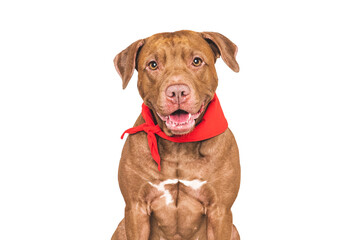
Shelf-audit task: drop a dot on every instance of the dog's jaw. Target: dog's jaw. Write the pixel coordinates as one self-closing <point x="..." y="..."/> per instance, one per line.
<point x="197" y="116"/>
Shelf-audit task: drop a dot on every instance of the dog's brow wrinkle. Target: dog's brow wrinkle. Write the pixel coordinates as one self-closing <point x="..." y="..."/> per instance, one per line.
<point x="164" y="58"/>
<point x="183" y="55"/>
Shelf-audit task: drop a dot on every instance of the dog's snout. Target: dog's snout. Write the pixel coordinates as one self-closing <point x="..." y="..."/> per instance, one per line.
<point x="177" y="93"/>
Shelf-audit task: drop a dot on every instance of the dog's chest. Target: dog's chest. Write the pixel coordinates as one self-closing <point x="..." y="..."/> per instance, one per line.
<point x="177" y="204"/>
<point x="182" y="157"/>
<point x="178" y="196"/>
<point x="169" y="191"/>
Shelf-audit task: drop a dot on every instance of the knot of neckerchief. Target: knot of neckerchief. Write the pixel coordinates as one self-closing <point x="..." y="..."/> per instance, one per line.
<point x="212" y="124"/>
<point x="150" y="129"/>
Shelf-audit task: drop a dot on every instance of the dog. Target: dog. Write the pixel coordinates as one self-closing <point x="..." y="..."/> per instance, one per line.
<point x="188" y="191"/>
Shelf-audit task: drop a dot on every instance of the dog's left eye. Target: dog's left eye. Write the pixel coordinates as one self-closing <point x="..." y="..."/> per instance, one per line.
<point x="197" y="62"/>
<point x="153" y="65"/>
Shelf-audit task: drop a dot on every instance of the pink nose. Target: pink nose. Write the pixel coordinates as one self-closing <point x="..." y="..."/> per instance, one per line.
<point x="177" y="93"/>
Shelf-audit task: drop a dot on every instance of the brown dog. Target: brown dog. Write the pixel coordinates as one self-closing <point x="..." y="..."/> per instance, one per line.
<point x="192" y="195"/>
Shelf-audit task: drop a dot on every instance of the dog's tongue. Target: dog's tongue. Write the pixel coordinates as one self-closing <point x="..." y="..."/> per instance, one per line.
<point x="179" y="116"/>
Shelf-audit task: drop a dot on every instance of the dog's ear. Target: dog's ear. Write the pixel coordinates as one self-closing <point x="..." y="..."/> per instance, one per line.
<point x="221" y="45"/>
<point x="125" y="62"/>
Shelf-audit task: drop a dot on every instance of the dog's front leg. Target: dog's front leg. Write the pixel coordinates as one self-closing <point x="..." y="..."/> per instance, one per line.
<point x="219" y="223"/>
<point x="137" y="221"/>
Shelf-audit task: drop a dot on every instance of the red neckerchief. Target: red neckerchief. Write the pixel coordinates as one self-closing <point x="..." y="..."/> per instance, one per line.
<point x="212" y="124"/>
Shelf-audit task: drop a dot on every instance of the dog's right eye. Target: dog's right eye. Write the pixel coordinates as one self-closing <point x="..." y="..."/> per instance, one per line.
<point x="153" y="65"/>
<point x="197" y="62"/>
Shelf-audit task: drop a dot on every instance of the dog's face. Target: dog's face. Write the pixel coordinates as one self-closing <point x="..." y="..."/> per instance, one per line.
<point x="176" y="74"/>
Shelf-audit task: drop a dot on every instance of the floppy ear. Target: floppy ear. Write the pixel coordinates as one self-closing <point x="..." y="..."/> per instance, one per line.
<point x="125" y="62"/>
<point x="221" y="45"/>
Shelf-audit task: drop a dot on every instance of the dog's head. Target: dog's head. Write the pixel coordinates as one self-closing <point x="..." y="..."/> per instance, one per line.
<point x="176" y="74"/>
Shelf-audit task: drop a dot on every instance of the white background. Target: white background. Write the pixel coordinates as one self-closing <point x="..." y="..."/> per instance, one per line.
<point x="294" y="110"/>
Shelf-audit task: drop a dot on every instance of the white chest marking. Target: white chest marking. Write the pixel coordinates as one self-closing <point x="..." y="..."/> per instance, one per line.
<point x="194" y="184"/>
<point x="161" y="187"/>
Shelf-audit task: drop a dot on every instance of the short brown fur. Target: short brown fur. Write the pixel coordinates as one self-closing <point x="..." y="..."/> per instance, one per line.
<point x="203" y="213"/>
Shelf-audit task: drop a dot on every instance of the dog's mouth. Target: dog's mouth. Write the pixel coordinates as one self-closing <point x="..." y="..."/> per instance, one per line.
<point x="181" y="122"/>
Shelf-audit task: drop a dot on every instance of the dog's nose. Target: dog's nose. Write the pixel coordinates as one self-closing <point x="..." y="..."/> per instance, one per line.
<point x="177" y="93"/>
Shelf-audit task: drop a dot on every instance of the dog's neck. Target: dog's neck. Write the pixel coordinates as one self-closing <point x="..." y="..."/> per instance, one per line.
<point x="211" y="124"/>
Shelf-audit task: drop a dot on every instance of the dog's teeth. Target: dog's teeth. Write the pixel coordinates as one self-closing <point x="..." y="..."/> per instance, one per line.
<point x="177" y="124"/>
